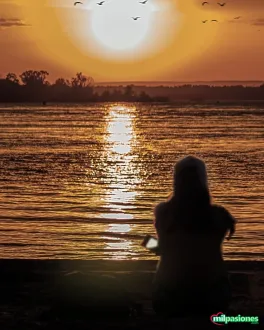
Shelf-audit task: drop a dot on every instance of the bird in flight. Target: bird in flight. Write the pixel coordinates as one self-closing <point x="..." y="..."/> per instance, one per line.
<point x="204" y="3"/>
<point x="143" y="2"/>
<point x="78" y="2"/>
<point x="135" y="18"/>
<point x="100" y="3"/>
<point x="214" y="20"/>
<point x="221" y="4"/>
<point x="238" y="17"/>
<point x="205" y="21"/>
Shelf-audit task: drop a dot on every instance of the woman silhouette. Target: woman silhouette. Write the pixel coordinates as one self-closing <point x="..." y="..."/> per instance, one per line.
<point x="191" y="277"/>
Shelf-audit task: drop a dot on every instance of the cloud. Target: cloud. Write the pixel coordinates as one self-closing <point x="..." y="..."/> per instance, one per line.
<point x="238" y="21"/>
<point x="12" y="22"/>
<point x="254" y="22"/>
<point x="258" y="22"/>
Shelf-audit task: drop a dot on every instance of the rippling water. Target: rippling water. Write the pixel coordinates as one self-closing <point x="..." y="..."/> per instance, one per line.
<point x="81" y="181"/>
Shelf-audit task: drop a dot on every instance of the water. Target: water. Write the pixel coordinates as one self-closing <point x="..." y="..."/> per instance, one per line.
<point x="81" y="181"/>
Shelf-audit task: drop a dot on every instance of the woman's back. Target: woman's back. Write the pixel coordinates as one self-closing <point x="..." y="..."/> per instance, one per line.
<point x="189" y="256"/>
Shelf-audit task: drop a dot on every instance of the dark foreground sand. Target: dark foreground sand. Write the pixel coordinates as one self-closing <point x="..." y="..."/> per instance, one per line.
<point x="77" y="294"/>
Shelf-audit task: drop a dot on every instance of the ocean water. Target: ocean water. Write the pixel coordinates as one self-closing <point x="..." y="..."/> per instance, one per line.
<point x="81" y="181"/>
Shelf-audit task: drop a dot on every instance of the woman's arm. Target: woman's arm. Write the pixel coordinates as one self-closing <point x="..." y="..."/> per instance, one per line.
<point x="159" y="223"/>
<point x="231" y="224"/>
<point x="158" y="215"/>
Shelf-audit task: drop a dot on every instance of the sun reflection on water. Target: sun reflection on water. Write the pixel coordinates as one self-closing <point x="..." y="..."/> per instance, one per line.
<point x="120" y="130"/>
<point x="123" y="175"/>
<point x="119" y="228"/>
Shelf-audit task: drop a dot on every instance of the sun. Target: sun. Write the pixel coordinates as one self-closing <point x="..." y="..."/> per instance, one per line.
<point x="108" y="33"/>
<point x="107" y="44"/>
<point x="115" y="29"/>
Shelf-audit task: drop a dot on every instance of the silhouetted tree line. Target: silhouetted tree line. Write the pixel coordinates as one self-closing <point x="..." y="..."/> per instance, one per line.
<point x="33" y="86"/>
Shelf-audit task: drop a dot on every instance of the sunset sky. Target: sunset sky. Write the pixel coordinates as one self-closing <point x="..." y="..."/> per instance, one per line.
<point x="168" y="42"/>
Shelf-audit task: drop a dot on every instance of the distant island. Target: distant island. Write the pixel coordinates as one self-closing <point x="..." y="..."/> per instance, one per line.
<point x="33" y="86"/>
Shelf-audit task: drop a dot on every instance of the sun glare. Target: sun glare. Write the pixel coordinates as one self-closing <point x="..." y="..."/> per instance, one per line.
<point x="127" y="29"/>
<point x="114" y="27"/>
<point x="108" y="32"/>
<point x="104" y="41"/>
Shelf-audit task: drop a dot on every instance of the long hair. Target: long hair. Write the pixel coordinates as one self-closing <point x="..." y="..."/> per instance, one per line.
<point x="190" y="202"/>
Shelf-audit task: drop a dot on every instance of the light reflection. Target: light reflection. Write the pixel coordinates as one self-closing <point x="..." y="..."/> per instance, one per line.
<point x="121" y="149"/>
<point x="122" y="175"/>
<point x="121" y="248"/>
<point x="119" y="228"/>
<point x="120" y="130"/>
<point x="119" y="216"/>
<point x="118" y="246"/>
<point x="120" y="196"/>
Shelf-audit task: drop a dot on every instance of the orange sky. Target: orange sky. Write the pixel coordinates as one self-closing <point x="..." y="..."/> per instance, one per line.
<point x="170" y="43"/>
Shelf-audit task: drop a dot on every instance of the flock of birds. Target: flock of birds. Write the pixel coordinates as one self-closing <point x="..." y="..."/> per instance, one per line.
<point x="221" y="4"/>
<point x="102" y="2"/>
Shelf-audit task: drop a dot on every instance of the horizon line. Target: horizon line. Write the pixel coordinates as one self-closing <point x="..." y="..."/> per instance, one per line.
<point x="177" y="82"/>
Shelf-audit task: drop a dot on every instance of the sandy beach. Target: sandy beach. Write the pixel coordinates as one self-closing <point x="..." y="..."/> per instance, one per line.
<point x="67" y="294"/>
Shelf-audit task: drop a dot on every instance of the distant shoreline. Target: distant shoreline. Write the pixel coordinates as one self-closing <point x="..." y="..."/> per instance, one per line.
<point x="253" y="83"/>
<point x="177" y="102"/>
<point x="33" y="86"/>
